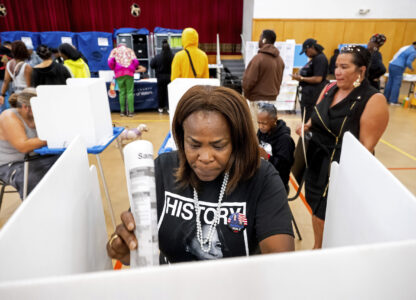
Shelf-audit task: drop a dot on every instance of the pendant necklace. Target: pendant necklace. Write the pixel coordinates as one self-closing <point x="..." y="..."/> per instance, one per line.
<point x="207" y="240"/>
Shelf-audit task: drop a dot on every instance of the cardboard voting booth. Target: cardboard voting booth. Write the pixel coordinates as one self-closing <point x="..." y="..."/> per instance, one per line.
<point x="180" y="86"/>
<point x="366" y="203"/>
<point x="384" y="271"/>
<point x="60" y="228"/>
<point x="62" y="112"/>
<point x="375" y="260"/>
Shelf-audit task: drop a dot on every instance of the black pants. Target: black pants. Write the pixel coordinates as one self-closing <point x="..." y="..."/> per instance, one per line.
<point x="162" y="92"/>
<point x="13" y="173"/>
<point x="308" y="107"/>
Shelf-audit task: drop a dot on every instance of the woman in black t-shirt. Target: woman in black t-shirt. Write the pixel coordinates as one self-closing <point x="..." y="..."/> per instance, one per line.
<point x="376" y="68"/>
<point x="312" y="77"/>
<point x="215" y="179"/>
<point x="48" y="72"/>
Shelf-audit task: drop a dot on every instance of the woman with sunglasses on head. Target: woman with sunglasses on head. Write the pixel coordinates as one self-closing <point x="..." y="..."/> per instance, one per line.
<point x="215" y="179"/>
<point x="351" y="104"/>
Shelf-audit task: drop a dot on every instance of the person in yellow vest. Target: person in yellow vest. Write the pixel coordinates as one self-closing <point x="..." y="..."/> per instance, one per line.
<point x="74" y="61"/>
<point x="190" y="62"/>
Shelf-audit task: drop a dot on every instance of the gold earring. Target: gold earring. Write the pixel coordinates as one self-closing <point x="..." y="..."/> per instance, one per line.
<point x="357" y="82"/>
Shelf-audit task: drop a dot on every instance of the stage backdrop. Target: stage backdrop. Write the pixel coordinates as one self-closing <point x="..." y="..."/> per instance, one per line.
<point x="208" y="17"/>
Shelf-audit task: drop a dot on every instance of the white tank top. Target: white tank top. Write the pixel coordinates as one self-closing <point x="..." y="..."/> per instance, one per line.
<point x="19" y="81"/>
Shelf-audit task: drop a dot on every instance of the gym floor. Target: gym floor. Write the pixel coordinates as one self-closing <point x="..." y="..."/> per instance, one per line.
<point x="396" y="150"/>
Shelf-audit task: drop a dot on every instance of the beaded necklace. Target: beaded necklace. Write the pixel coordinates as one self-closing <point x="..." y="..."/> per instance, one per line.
<point x="207" y="240"/>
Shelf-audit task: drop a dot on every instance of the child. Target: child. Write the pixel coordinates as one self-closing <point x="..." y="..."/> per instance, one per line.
<point x="276" y="144"/>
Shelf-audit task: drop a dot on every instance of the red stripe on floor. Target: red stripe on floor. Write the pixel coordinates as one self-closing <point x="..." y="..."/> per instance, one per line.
<point x="401" y="169"/>
<point x="300" y="195"/>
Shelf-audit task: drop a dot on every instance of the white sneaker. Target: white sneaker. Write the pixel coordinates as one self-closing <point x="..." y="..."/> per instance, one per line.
<point x="160" y="110"/>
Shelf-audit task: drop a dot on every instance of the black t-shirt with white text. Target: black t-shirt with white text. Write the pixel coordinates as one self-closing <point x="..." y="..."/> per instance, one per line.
<point x="262" y="199"/>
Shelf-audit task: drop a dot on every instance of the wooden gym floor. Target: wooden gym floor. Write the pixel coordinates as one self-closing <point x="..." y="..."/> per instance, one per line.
<point x="396" y="150"/>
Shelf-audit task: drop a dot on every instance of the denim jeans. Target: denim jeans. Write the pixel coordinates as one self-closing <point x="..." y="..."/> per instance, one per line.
<point x="9" y="91"/>
<point x="394" y="82"/>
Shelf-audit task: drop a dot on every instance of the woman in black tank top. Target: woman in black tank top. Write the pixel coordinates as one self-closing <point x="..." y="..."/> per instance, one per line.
<point x="351" y="104"/>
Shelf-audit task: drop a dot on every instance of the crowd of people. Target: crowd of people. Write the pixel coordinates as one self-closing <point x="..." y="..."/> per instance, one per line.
<point x="23" y="68"/>
<point x="234" y="152"/>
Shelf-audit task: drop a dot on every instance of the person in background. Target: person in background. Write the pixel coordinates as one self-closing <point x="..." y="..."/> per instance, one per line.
<point x="312" y="77"/>
<point x="34" y="59"/>
<point x="191" y="62"/>
<point x="217" y="166"/>
<point x="376" y="69"/>
<point x="264" y="73"/>
<point x="331" y="68"/>
<point x="56" y="56"/>
<point x="48" y="71"/>
<point x="123" y="62"/>
<point x="17" y="71"/>
<point x="351" y="104"/>
<point x="5" y="56"/>
<point x="276" y="144"/>
<point x="18" y="137"/>
<point x="162" y="63"/>
<point x="73" y="60"/>
<point x="402" y="59"/>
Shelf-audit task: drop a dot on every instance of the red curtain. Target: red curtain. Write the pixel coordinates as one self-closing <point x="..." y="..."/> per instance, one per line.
<point x="36" y="15"/>
<point x="208" y="17"/>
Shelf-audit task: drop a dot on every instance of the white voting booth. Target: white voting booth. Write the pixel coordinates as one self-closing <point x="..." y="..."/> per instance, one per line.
<point x="60" y="228"/>
<point x="178" y="87"/>
<point x="80" y="107"/>
<point x="366" y="203"/>
<point x="363" y="268"/>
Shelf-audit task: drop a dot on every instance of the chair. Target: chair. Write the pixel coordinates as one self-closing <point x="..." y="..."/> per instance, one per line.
<point x="3" y="191"/>
<point x="25" y="181"/>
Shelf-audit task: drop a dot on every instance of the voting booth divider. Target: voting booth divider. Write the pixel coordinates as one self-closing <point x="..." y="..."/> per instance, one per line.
<point x="178" y="87"/>
<point x="60" y="228"/>
<point x="54" y="245"/>
<point x="54" y="39"/>
<point x="366" y="203"/>
<point x="27" y="37"/>
<point x="80" y="107"/>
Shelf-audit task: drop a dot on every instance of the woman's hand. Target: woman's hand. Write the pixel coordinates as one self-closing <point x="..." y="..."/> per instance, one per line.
<point x="123" y="240"/>
<point x="306" y="128"/>
<point x="296" y="76"/>
<point x="263" y="153"/>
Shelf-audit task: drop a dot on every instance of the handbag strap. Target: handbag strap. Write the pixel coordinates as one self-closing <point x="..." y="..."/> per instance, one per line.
<point x="190" y="60"/>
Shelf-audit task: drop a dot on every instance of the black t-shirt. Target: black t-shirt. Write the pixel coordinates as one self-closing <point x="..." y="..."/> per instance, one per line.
<point x="54" y="74"/>
<point x="262" y="199"/>
<point x="317" y="66"/>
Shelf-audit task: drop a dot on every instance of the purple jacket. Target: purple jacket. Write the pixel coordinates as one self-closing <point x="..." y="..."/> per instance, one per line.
<point x="119" y="70"/>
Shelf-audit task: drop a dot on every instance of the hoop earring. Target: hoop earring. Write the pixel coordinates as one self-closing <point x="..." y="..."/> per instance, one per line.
<point x="357" y="82"/>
